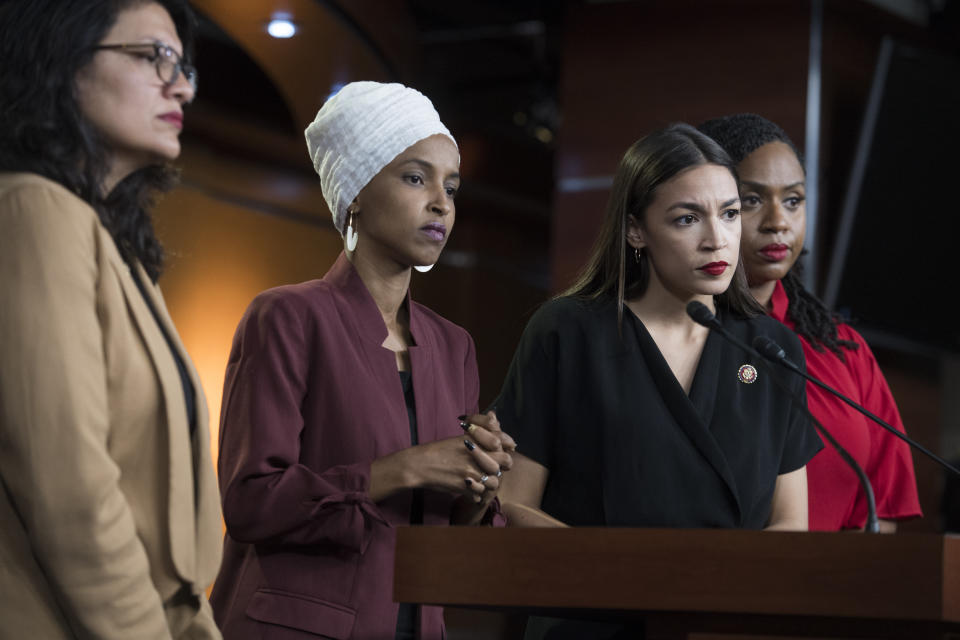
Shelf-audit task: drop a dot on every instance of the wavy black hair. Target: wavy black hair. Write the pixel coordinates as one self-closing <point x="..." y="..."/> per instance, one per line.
<point x="647" y="164"/>
<point x="742" y="134"/>
<point x="43" y="45"/>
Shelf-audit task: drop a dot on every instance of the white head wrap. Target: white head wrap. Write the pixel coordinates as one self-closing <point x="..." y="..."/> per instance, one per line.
<point x="359" y="131"/>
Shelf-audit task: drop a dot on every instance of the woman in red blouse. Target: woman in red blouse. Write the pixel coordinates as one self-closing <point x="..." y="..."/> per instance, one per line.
<point x="772" y="192"/>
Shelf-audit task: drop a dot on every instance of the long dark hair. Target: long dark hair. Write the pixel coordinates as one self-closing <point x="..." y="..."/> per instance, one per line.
<point x="740" y="135"/>
<point x="647" y="164"/>
<point x="43" y="44"/>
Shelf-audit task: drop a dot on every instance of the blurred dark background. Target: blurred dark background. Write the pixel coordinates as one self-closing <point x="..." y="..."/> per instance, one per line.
<point x="543" y="97"/>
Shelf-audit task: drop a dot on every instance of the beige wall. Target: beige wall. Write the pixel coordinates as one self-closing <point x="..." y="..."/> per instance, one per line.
<point x="220" y="255"/>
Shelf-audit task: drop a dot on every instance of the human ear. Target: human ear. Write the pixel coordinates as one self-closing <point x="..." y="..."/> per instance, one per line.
<point x="636" y="238"/>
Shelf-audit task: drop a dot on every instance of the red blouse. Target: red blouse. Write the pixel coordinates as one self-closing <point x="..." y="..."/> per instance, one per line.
<point x="836" y="499"/>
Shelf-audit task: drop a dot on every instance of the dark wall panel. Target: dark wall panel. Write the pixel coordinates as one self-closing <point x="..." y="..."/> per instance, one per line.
<point x="631" y="67"/>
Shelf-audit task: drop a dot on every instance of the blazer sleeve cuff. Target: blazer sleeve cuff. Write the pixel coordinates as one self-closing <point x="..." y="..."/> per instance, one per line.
<point x="494" y="515"/>
<point x="349" y="519"/>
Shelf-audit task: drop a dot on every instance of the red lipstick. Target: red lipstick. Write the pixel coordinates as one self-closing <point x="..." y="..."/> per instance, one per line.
<point x="775" y="251"/>
<point x="173" y="117"/>
<point x="714" y="268"/>
<point x="435" y="231"/>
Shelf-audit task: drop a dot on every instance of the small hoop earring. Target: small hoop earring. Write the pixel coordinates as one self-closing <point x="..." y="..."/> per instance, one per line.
<point x="351" y="235"/>
<point x="636" y="255"/>
<point x="423" y="268"/>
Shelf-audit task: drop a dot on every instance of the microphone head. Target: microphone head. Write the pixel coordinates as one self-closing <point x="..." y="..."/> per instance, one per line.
<point x="701" y="314"/>
<point x="768" y="348"/>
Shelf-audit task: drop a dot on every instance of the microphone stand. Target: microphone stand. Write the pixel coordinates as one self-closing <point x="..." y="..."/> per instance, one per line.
<point x="703" y="316"/>
<point x="772" y="351"/>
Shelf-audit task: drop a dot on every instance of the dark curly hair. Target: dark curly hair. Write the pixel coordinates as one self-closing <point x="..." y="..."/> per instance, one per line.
<point x="647" y="164"/>
<point x="43" y="44"/>
<point x="741" y="135"/>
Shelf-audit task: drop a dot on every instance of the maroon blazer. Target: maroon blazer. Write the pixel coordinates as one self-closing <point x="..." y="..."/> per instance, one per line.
<point x="311" y="398"/>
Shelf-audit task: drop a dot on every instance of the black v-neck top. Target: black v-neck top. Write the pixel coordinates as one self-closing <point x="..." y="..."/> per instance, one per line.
<point x="626" y="446"/>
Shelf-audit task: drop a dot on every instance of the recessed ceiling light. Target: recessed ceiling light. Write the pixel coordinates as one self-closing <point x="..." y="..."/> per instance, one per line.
<point x="281" y="26"/>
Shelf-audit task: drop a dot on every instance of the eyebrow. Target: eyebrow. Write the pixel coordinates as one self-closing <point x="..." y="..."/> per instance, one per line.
<point x="693" y="206"/>
<point x="759" y="186"/>
<point x="429" y="167"/>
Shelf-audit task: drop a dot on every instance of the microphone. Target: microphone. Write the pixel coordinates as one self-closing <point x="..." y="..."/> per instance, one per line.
<point x="702" y="315"/>
<point x="772" y="351"/>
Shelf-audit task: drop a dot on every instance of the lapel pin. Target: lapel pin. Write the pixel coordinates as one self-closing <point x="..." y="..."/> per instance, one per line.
<point x="747" y="374"/>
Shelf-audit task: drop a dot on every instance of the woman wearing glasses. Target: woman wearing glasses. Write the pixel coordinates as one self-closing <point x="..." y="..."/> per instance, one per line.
<point x="109" y="524"/>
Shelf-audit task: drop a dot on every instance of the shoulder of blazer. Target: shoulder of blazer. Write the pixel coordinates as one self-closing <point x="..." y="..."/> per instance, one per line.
<point x="32" y="187"/>
<point x="442" y="331"/>
<point x="53" y="217"/>
<point x="292" y="298"/>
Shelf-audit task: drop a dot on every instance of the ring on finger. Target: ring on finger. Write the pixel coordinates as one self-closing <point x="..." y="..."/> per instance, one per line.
<point x="499" y="473"/>
<point x="484" y="478"/>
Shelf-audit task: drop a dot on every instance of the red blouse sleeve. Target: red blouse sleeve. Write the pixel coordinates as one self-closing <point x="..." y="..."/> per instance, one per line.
<point x="890" y="467"/>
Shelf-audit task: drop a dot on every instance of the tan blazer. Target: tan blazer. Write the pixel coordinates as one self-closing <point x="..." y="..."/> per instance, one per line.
<point x="109" y="513"/>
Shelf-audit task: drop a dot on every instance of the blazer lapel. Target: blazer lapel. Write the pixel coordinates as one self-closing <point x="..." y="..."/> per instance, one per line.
<point x="180" y="492"/>
<point x="424" y="386"/>
<point x="359" y="307"/>
<point x="207" y="519"/>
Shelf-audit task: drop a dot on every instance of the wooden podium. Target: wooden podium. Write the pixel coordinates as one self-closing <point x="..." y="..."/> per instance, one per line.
<point x="681" y="581"/>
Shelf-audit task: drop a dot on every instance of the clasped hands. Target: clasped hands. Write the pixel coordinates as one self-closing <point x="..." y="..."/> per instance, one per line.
<point x="469" y="465"/>
<point x="490" y="449"/>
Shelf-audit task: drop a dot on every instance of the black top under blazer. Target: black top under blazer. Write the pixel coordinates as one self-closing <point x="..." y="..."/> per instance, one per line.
<point x="626" y="446"/>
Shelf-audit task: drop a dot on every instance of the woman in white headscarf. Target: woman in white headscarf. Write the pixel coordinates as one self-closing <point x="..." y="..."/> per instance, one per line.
<point x="343" y="402"/>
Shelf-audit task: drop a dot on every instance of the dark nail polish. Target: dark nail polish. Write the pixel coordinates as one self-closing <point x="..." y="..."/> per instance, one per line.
<point x="464" y="425"/>
<point x="463" y="417"/>
<point x="470" y="445"/>
<point x="469" y="482"/>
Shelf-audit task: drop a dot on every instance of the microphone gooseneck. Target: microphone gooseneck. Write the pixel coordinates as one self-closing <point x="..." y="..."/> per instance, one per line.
<point x="702" y="315"/>
<point x="772" y="351"/>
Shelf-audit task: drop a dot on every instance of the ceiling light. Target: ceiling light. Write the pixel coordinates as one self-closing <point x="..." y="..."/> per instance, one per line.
<point x="281" y="26"/>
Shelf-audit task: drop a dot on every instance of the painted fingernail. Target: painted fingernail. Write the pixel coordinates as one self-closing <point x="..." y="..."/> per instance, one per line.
<point x="470" y="445"/>
<point x="469" y="482"/>
<point x="463" y="417"/>
<point x="464" y="425"/>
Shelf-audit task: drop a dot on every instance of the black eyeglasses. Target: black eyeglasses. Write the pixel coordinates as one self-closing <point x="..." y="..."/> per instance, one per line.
<point x="168" y="62"/>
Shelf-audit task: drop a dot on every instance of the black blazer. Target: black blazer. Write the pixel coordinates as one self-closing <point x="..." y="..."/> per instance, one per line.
<point x="626" y="446"/>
